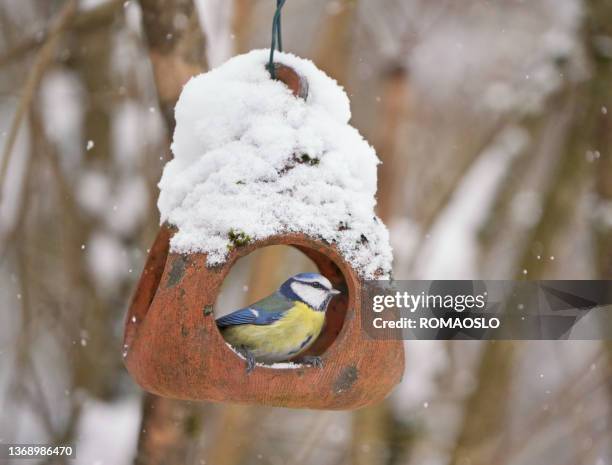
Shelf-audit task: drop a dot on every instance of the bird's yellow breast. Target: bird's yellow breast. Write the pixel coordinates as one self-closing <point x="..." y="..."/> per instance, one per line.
<point x="292" y="334"/>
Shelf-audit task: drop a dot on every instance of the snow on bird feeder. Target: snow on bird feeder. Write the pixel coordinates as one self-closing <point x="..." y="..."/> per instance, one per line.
<point x="261" y="162"/>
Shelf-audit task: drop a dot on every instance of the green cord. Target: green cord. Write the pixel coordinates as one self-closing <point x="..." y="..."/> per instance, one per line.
<point x="276" y="36"/>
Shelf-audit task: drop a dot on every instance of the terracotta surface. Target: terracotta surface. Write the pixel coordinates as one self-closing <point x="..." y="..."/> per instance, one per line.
<point x="174" y="349"/>
<point x="295" y="82"/>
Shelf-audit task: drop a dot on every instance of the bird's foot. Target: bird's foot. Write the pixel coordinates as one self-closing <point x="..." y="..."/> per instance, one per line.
<point x="250" y="359"/>
<point x="312" y="360"/>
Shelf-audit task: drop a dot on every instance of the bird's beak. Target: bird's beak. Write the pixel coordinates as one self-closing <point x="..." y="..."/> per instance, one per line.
<point x="334" y="291"/>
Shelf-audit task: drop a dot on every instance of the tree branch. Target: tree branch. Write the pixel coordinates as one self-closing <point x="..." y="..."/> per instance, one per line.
<point x="176" y="48"/>
<point x="42" y="61"/>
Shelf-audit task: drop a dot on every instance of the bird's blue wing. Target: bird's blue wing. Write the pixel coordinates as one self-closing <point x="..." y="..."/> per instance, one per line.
<point x="244" y="316"/>
<point x="263" y="312"/>
<point x="275" y="303"/>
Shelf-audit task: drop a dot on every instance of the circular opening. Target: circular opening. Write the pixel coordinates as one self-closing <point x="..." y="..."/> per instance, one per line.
<point x="261" y="273"/>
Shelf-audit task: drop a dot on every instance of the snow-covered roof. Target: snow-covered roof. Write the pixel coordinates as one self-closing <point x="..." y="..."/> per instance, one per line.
<point x="251" y="160"/>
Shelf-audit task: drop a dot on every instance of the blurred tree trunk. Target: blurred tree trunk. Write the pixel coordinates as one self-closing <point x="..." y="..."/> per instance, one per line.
<point x="334" y="44"/>
<point x="486" y="408"/>
<point x="599" y="138"/>
<point x="394" y="113"/>
<point x="91" y="61"/>
<point x="241" y="24"/>
<point x="599" y="26"/>
<point x="177" y="49"/>
<point x="370" y="433"/>
<point x="371" y="425"/>
<point x="176" y="45"/>
<point x="234" y="436"/>
<point x="169" y="431"/>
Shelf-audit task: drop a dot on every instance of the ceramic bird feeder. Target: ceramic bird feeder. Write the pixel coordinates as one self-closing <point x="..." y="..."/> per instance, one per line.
<point x="172" y="346"/>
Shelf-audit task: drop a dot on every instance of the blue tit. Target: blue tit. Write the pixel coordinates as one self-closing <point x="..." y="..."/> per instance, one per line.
<point x="283" y="325"/>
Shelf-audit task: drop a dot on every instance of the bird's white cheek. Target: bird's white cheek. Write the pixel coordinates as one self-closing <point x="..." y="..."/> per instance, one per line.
<point x="313" y="297"/>
<point x="298" y="288"/>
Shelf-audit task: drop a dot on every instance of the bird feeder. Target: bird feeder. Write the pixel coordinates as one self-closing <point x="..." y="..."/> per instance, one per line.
<point x="173" y="348"/>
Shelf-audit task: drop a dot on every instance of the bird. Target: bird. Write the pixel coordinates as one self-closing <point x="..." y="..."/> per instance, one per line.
<point x="282" y="325"/>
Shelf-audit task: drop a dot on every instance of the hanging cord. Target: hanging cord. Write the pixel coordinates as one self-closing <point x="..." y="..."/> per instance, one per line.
<point x="276" y="36"/>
